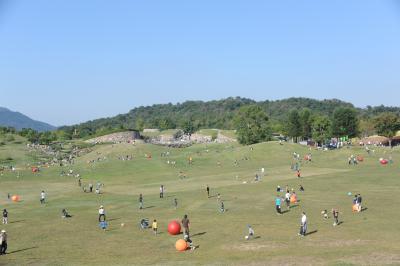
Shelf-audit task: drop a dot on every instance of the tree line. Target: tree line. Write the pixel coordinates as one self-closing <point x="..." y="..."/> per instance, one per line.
<point x="298" y="118"/>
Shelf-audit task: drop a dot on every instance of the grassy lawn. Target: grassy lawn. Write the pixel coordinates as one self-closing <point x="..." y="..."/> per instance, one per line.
<point x="39" y="236"/>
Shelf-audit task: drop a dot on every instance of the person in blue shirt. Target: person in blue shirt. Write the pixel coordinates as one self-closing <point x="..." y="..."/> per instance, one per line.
<point x="278" y="201"/>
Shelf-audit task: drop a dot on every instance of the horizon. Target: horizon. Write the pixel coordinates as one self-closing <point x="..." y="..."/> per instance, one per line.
<point x="110" y="59"/>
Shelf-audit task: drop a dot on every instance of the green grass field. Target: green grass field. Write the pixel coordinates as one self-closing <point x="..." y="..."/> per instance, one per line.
<point x="39" y="236"/>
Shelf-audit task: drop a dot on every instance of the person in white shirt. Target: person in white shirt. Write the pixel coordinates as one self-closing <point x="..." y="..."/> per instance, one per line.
<point x="3" y="242"/>
<point x="102" y="214"/>
<point x="303" y="226"/>
<point x="287" y="200"/>
<point x="42" y="197"/>
<point x="162" y="191"/>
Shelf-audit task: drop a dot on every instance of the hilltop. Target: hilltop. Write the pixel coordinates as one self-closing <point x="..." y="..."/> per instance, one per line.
<point x="19" y="121"/>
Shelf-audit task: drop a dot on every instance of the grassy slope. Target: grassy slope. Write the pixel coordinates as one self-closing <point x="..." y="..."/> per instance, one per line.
<point x="38" y="235"/>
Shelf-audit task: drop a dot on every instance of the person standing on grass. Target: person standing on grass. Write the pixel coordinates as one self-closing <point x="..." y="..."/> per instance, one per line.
<point x="287" y="200"/>
<point x="335" y="214"/>
<point x="176" y="203"/>
<point x="3" y="242"/>
<point x="278" y="204"/>
<point x="358" y="202"/>
<point x="102" y="214"/>
<point x="303" y="224"/>
<point x="140" y="201"/>
<point x="91" y="187"/>
<point x="208" y="191"/>
<point x="42" y="197"/>
<point x="222" y="208"/>
<point x="185" y="224"/>
<point x="5" y="216"/>
<point x="161" y="191"/>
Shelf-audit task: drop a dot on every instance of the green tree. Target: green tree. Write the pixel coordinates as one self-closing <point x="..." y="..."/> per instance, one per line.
<point x="306" y="122"/>
<point x="252" y="125"/>
<point x="139" y="124"/>
<point x="188" y="127"/>
<point x="293" y="127"/>
<point x="387" y="124"/>
<point x="321" y="129"/>
<point x="345" y="122"/>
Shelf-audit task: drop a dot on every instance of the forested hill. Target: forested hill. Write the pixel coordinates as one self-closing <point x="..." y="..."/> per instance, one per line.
<point x="214" y="114"/>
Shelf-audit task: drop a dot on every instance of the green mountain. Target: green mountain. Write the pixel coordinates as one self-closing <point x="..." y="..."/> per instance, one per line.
<point x="19" y="121"/>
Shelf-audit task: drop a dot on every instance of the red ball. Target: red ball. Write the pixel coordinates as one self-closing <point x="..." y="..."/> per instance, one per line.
<point x="174" y="228"/>
<point x="384" y="161"/>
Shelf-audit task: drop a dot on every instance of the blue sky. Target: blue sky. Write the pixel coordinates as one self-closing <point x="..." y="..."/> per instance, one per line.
<point x="70" y="61"/>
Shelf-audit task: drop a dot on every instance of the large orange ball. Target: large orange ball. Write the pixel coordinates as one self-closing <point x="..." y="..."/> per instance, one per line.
<point x="293" y="199"/>
<point x="181" y="245"/>
<point x="174" y="228"/>
<point x="15" y="198"/>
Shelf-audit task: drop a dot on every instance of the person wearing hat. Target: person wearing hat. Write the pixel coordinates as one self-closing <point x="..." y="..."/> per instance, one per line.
<point x="3" y="242"/>
<point x="102" y="214"/>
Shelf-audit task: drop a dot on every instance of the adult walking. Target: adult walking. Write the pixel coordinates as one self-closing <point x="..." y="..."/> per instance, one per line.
<point x="3" y="242"/>
<point x="42" y="197"/>
<point x="102" y="214"/>
<point x="303" y="224"/>
<point x="185" y="225"/>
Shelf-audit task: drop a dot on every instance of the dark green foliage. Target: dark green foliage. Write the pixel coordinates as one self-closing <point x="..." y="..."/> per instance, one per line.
<point x="321" y="129"/>
<point x="293" y="126"/>
<point x="221" y="114"/>
<point x="306" y="122"/>
<point x="252" y="125"/>
<point x="188" y="127"/>
<point x="387" y="124"/>
<point x="345" y="122"/>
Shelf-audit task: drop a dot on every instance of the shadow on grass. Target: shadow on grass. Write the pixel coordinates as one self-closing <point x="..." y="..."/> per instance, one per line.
<point x="148" y="207"/>
<point x="294" y="206"/>
<point x="21" y="250"/>
<point x="285" y="212"/>
<point x="312" y="232"/>
<point x="19" y="221"/>
<point x="257" y="237"/>
<point x="199" y="234"/>
<point x="364" y="209"/>
<point x="114" y="219"/>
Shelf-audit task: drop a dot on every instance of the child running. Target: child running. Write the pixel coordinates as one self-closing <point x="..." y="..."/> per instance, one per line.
<point x="251" y="232"/>
<point x="154" y="226"/>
